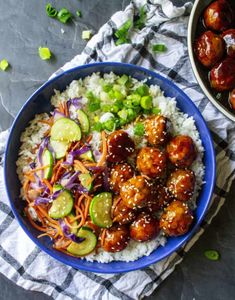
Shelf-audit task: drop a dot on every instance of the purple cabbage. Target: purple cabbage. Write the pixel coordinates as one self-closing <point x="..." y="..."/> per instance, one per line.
<point x="42" y="200"/>
<point x="58" y="115"/>
<point x="71" y="180"/>
<point x="71" y="155"/>
<point x="76" y="102"/>
<point x="42" y="147"/>
<point x="66" y="230"/>
<point x="32" y="165"/>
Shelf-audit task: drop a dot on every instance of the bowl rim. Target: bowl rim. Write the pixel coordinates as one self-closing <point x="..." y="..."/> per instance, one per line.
<point x="227" y="113"/>
<point x="147" y="262"/>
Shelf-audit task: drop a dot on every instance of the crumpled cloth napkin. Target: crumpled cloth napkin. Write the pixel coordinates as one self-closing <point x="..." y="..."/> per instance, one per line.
<point x="22" y="262"/>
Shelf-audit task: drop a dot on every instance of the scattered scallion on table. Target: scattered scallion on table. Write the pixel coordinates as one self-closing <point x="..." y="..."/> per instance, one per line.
<point x="44" y="53"/>
<point x="212" y="254"/>
<point x="86" y="34"/>
<point x="51" y="11"/>
<point x="122" y="33"/>
<point x="4" y="64"/>
<point x="78" y="13"/>
<point x="159" y="48"/>
<point x="64" y="15"/>
<point x="140" y="20"/>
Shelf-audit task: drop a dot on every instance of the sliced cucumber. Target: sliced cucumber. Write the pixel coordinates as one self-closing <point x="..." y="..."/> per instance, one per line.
<point x="75" y="223"/>
<point x="88" y="156"/>
<point x="86" y="181"/>
<point x="83" y="120"/>
<point x="85" y="247"/>
<point x="100" y="210"/>
<point x="47" y="159"/>
<point x="62" y="205"/>
<point x="57" y="187"/>
<point x="65" y="130"/>
<point x="60" y="148"/>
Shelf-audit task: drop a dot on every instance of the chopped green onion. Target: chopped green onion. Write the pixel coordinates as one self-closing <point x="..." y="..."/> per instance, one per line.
<point x="159" y="48"/>
<point x="128" y="103"/>
<point x="139" y="129"/>
<point x="78" y="13"/>
<point x="118" y="105"/>
<point x="51" y="11"/>
<point x="106" y="108"/>
<point x="122" y="33"/>
<point x="139" y="23"/>
<point x="107" y="87"/>
<point x="123" y="79"/>
<point x="4" y="64"/>
<point x="146" y="102"/>
<point x="94" y="102"/>
<point x="143" y="90"/>
<point x="86" y="34"/>
<point x="97" y="127"/>
<point x="110" y="124"/>
<point x="118" y="95"/>
<point x="123" y="114"/>
<point x="44" y="53"/>
<point x="212" y="254"/>
<point x="64" y="15"/>
<point x="131" y="114"/>
<point x="156" y="110"/>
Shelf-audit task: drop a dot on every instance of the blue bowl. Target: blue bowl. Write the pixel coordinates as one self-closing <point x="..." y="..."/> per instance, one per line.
<point x="40" y="102"/>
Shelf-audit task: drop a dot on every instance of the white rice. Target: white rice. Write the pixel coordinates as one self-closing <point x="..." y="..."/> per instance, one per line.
<point x="182" y="124"/>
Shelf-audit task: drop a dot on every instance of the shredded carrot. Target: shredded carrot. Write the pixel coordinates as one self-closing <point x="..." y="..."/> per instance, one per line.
<point x="44" y="234"/>
<point x="47" y="183"/>
<point x="48" y="122"/>
<point x="80" y="167"/>
<point x="40" y="228"/>
<point x="36" y="169"/>
<point x="87" y="207"/>
<point x="71" y="226"/>
<point x="75" y="146"/>
<point x="61" y="108"/>
<point x="102" y="238"/>
<point x="104" y="150"/>
<point x="82" y="215"/>
<point x="66" y="111"/>
<point x="89" y="138"/>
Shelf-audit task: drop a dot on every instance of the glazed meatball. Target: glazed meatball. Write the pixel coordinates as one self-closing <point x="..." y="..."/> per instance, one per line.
<point x="144" y="228"/>
<point x="121" y="213"/>
<point x="181" y="184"/>
<point x="176" y="219"/>
<point x="120" y="146"/>
<point x="115" y="239"/>
<point x="160" y="198"/>
<point x="157" y="130"/>
<point x="209" y="48"/>
<point x="136" y="192"/>
<point x="181" y="151"/>
<point x="152" y="162"/>
<point x="120" y="174"/>
<point x="229" y="38"/>
<point x="219" y="15"/>
<point x="232" y="99"/>
<point x="222" y="76"/>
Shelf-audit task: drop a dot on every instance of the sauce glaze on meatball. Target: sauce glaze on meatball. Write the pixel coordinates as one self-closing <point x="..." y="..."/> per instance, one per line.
<point x="181" y="184"/>
<point x="115" y="238"/>
<point x="121" y="213"/>
<point x="157" y="130"/>
<point x="182" y="151"/>
<point x="176" y="219"/>
<point x="209" y="48"/>
<point x="136" y="192"/>
<point x="144" y="228"/>
<point x="120" y="146"/>
<point x="119" y="174"/>
<point x="152" y="162"/>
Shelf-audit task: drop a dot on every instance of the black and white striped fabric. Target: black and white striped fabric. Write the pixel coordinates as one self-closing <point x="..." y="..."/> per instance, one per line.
<point x="22" y="262"/>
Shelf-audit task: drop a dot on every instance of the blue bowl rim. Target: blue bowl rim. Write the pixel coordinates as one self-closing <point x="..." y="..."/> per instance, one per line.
<point x="143" y="264"/>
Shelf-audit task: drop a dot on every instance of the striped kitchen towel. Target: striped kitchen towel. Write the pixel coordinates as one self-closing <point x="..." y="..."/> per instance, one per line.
<point x="22" y="262"/>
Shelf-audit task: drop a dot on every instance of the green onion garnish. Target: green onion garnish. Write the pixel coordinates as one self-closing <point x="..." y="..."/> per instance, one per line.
<point x="156" y="110"/>
<point x="159" y="48"/>
<point x="146" y="102"/>
<point x="44" y="53"/>
<point x="4" y="64"/>
<point x="78" y="13"/>
<point x="97" y="127"/>
<point x="86" y="34"/>
<point x="64" y="15"/>
<point x="122" y="33"/>
<point x="139" y="129"/>
<point x="141" y="19"/>
<point x="51" y="11"/>
<point x="212" y="254"/>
